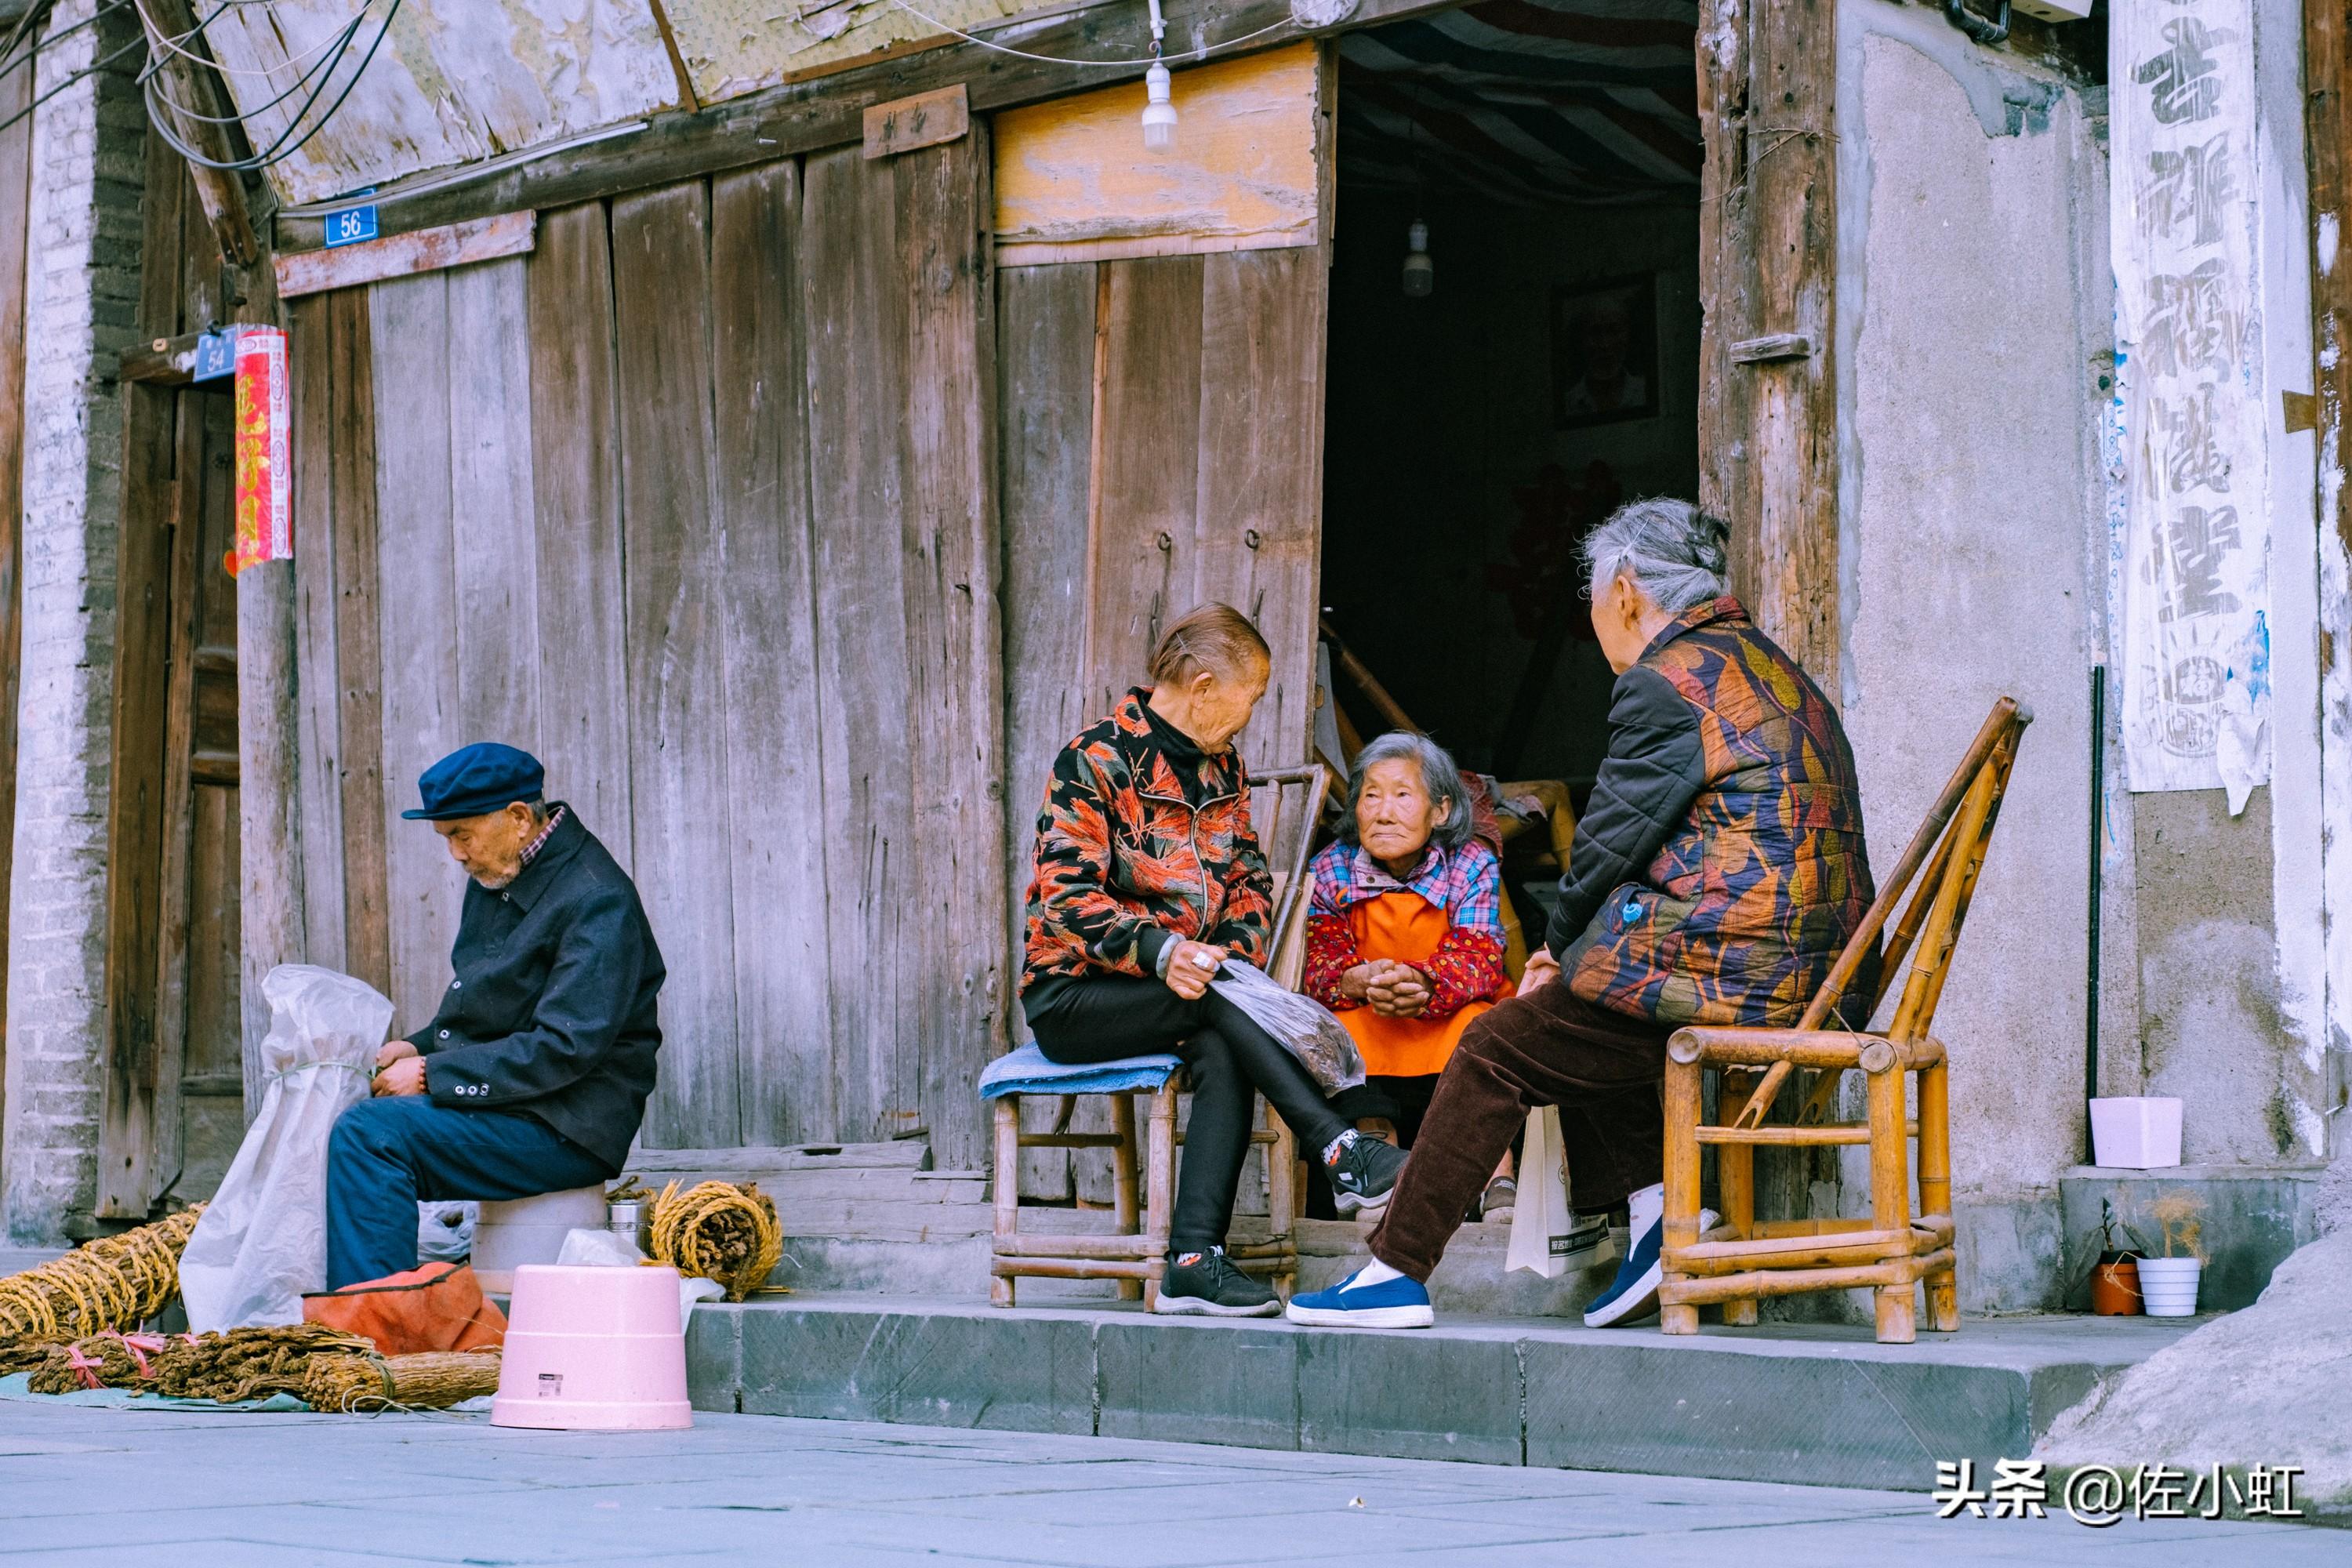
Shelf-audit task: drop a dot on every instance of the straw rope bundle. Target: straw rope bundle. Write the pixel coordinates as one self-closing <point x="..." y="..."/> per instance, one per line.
<point x="116" y="1283"/>
<point x="248" y="1363"/>
<point x="103" y="1361"/>
<point x="718" y="1231"/>
<point x="350" y="1385"/>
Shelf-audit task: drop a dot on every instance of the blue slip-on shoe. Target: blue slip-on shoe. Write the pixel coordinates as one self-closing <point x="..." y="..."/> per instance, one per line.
<point x="1634" y="1294"/>
<point x="1397" y="1303"/>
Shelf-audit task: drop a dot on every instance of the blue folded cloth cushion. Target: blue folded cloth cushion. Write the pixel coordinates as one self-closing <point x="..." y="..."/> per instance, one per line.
<point x="1028" y="1071"/>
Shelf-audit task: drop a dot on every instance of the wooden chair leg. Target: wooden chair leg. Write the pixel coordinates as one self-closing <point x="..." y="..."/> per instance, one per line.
<point x="1890" y="1197"/>
<point x="1122" y="1182"/>
<point x="1682" y="1109"/>
<point x="1158" y="1184"/>
<point x="1007" y="1182"/>
<point x="1735" y="1173"/>
<point x="1281" y="1160"/>
<point x="1935" y="1187"/>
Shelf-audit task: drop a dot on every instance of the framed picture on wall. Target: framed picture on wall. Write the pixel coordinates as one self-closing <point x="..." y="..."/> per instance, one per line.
<point x="1604" y="351"/>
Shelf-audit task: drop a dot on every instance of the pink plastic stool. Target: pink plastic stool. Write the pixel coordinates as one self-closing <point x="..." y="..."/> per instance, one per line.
<point x="593" y="1349"/>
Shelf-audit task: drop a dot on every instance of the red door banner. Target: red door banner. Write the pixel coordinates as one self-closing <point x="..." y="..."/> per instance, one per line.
<point x="265" y="506"/>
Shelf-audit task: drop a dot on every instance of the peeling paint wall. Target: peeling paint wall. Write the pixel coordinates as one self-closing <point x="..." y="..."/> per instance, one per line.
<point x="1975" y="331"/>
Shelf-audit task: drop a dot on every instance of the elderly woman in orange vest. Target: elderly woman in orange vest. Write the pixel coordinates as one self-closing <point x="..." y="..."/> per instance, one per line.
<point x="1404" y="935"/>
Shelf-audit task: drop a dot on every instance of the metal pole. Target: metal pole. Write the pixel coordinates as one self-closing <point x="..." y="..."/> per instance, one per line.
<point x="2098" y="858"/>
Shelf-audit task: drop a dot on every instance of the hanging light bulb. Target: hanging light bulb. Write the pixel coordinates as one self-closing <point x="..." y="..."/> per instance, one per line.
<point x="1420" y="272"/>
<point x="1158" y="112"/>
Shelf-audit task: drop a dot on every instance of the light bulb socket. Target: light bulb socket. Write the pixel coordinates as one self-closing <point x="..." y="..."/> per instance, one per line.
<point x="1159" y="110"/>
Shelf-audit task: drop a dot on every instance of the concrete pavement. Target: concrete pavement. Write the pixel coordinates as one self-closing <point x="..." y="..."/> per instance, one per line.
<point x="205" y="1489"/>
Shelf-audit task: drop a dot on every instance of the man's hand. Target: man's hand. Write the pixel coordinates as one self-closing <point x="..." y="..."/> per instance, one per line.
<point x="405" y="1076"/>
<point x="393" y="1051"/>
<point x="1397" y="990"/>
<point x="1191" y="966"/>
<point x="1541" y="971"/>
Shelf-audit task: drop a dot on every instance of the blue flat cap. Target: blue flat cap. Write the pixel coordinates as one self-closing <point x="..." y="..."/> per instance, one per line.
<point x="476" y="780"/>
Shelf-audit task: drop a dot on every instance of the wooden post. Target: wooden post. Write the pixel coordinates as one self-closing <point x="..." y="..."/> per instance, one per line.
<point x="1935" y="1187"/>
<point x="1890" y="1194"/>
<point x="1735" y="1173"/>
<point x="1122" y="1182"/>
<point x="1160" y="1184"/>
<point x="1682" y="1113"/>
<point x="271" y="923"/>
<point x="1005" y="1183"/>
<point x="220" y="191"/>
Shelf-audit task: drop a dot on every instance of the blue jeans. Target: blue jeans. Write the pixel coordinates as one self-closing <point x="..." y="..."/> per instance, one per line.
<point x="385" y="1156"/>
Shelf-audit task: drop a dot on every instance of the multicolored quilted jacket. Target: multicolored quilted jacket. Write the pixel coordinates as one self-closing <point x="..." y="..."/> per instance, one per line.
<point x="1143" y="837"/>
<point x="1719" y="868"/>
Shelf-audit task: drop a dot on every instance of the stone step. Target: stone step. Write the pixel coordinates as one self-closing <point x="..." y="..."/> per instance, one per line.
<point x="1816" y="1404"/>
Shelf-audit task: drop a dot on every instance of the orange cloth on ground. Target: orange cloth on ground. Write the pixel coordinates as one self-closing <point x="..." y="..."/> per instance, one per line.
<point x="437" y="1307"/>
<point x="1407" y="928"/>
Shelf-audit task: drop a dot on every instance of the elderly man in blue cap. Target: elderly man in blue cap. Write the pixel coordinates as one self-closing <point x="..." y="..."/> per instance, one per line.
<point x="533" y="1074"/>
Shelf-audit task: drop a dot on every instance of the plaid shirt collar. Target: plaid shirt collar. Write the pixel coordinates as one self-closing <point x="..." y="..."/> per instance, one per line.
<point x="1465" y="883"/>
<point x="531" y="850"/>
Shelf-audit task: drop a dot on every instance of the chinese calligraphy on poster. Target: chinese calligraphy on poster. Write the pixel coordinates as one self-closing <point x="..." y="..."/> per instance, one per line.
<point x="2194" y="638"/>
<point x="265" y="506"/>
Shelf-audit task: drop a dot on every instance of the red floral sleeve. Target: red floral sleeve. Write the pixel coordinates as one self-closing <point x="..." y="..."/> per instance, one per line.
<point x="1330" y="953"/>
<point x="1467" y="967"/>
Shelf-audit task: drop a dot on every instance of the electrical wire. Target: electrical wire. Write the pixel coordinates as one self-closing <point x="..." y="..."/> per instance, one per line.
<point x="88" y="70"/>
<point x="175" y="46"/>
<point x="24" y="24"/>
<point x="328" y="64"/>
<point x="1200" y="53"/>
<point x="287" y="144"/>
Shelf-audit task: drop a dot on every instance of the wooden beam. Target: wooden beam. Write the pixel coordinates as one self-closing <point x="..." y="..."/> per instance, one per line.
<point x="829" y="109"/>
<point x="162" y="361"/>
<point x="404" y="255"/>
<point x="926" y="120"/>
<point x="221" y="191"/>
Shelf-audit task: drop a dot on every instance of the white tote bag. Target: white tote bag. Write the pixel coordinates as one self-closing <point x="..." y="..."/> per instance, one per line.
<point x="262" y="1242"/>
<point x="1542" y="1220"/>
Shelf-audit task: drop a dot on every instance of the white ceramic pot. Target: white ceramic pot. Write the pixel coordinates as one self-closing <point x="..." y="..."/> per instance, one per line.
<point x="2140" y="1132"/>
<point x="2169" y="1286"/>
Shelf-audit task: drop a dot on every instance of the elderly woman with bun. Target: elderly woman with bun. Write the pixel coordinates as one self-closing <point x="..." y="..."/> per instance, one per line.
<point x="1148" y="878"/>
<point x="1717" y="871"/>
<point x="1404" y="934"/>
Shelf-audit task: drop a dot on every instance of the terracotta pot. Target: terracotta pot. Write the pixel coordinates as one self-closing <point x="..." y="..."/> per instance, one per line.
<point x="2114" y="1286"/>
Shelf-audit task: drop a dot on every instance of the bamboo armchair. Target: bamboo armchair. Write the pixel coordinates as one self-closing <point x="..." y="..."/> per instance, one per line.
<point x="1742" y="1259"/>
<point x="1136" y="1254"/>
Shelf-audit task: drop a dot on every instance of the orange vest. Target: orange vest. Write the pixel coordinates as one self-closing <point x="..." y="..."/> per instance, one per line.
<point x="1407" y="928"/>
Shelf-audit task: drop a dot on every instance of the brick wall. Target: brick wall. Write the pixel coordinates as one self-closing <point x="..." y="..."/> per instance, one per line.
<point x="81" y="310"/>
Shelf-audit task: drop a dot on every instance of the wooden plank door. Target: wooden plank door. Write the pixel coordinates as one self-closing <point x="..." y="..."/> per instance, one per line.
<point x="174" y="1086"/>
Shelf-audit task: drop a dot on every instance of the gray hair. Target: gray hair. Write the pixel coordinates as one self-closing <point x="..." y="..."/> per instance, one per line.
<point x="1439" y="777"/>
<point x="1677" y="555"/>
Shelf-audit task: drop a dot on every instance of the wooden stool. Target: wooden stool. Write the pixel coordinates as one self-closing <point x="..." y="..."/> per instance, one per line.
<point x="1743" y="1260"/>
<point x="1289" y="801"/>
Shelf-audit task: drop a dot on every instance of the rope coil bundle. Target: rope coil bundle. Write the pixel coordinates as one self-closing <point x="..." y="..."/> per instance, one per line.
<point x="718" y="1231"/>
<point x="117" y="1282"/>
<point x="350" y="1385"/>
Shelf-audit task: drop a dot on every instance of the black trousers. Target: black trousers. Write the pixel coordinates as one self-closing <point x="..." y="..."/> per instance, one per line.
<point x="1231" y="1062"/>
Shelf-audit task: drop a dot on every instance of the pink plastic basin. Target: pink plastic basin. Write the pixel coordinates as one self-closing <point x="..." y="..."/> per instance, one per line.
<point x="593" y="1349"/>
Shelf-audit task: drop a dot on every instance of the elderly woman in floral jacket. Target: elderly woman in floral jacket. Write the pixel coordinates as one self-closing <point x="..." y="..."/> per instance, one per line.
<point x="1148" y="879"/>
<point x="1718" y="872"/>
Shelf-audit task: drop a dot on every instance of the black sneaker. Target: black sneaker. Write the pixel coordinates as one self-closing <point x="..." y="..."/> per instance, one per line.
<point x="1361" y="1170"/>
<point x="1207" y="1284"/>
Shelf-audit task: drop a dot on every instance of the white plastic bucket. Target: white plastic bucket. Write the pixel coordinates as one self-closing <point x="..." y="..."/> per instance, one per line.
<point x="2169" y="1286"/>
<point x="531" y="1230"/>
<point x="2141" y="1132"/>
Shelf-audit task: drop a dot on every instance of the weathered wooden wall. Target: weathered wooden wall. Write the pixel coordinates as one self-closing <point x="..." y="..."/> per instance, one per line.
<point x="695" y="502"/>
<point x="16" y="194"/>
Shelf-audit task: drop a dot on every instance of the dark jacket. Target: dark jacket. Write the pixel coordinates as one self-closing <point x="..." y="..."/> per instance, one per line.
<point x="1719" y="868"/>
<point x="551" y="1008"/>
<point x="1143" y="837"/>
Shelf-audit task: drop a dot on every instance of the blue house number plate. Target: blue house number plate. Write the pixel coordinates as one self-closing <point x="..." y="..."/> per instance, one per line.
<point x="350" y="226"/>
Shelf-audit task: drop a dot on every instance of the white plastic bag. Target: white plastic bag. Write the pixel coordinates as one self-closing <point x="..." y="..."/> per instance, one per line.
<point x="1541" y="1221"/>
<point x="445" y="1232"/>
<point x="1303" y="1027"/>
<point x="262" y="1242"/>
<point x="602" y="1249"/>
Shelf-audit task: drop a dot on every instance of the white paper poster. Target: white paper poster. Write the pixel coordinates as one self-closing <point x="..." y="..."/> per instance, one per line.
<point x="2194" y="637"/>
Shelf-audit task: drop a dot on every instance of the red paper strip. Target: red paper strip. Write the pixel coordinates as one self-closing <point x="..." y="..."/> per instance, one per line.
<point x="264" y="491"/>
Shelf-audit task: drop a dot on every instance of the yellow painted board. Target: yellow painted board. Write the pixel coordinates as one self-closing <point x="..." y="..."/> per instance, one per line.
<point x="1073" y="181"/>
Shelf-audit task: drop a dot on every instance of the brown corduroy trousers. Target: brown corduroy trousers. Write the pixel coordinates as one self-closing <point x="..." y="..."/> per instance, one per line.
<point x="1549" y="1047"/>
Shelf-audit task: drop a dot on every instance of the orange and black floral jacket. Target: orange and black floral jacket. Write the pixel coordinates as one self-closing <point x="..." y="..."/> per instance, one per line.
<point x="1143" y="838"/>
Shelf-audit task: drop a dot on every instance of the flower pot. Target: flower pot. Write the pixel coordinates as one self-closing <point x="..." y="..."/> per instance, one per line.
<point x="2114" y="1286"/>
<point x="2169" y="1286"/>
<point x="2141" y="1132"/>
